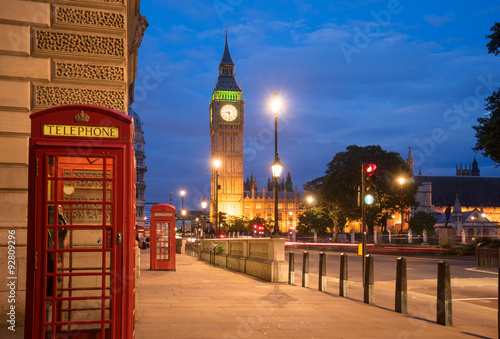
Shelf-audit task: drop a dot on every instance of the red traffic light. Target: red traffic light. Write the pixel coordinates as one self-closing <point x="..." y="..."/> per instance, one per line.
<point x="370" y="168"/>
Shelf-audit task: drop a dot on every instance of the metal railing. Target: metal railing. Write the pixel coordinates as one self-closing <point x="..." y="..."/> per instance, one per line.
<point x="487" y="257"/>
<point x="193" y="249"/>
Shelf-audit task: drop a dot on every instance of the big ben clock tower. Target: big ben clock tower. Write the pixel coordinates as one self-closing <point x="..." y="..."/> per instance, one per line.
<point x="227" y="119"/>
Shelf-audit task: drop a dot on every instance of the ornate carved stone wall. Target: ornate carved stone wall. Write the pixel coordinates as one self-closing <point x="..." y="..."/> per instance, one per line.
<point x="72" y="70"/>
<point x="86" y="17"/>
<point x="52" y="41"/>
<point x="51" y="96"/>
<point x="55" y="53"/>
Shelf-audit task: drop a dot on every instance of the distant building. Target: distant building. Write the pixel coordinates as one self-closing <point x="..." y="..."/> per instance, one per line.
<point x="141" y="169"/>
<point x="472" y="223"/>
<point x="475" y="200"/>
<point x="473" y="170"/>
<point x="260" y="204"/>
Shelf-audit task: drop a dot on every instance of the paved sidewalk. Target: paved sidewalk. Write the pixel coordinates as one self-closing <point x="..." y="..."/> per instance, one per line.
<point x="203" y="301"/>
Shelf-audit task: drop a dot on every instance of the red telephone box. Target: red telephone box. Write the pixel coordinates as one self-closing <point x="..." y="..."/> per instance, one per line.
<point x="81" y="219"/>
<point x="162" y="242"/>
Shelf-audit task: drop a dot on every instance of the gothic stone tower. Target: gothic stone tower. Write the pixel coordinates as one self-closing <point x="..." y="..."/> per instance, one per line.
<point x="227" y="119"/>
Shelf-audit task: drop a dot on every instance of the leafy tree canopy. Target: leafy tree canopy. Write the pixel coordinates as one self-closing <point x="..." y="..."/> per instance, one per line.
<point x="422" y="221"/>
<point x="315" y="218"/>
<point x="488" y="130"/>
<point x="337" y="190"/>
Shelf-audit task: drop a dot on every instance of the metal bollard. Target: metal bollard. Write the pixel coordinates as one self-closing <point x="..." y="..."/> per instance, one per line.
<point x="291" y="269"/>
<point x="305" y="269"/>
<point x="443" y="307"/>
<point x="401" y="286"/>
<point x="322" y="272"/>
<point x="343" y="287"/>
<point x="368" y="280"/>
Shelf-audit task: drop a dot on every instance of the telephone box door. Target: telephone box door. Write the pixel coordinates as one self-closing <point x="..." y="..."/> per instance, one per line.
<point x="79" y="251"/>
<point x="77" y="284"/>
<point x="162" y="237"/>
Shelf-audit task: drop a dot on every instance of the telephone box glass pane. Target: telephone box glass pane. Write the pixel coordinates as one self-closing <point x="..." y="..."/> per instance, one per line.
<point x="50" y="214"/>
<point x="81" y="190"/>
<point x="83" y="214"/>
<point x="162" y="241"/>
<point x="51" y="172"/>
<point x="50" y="190"/>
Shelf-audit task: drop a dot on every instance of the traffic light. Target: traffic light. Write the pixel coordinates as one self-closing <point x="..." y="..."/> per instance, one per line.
<point x="369" y="188"/>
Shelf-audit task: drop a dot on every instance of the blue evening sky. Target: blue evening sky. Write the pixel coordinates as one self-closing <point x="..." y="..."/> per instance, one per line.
<point x="393" y="73"/>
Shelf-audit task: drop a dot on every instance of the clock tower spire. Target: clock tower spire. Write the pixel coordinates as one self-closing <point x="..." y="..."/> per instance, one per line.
<point x="227" y="120"/>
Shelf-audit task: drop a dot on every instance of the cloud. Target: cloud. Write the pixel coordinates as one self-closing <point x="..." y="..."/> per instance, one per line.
<point x="438" y="21"/>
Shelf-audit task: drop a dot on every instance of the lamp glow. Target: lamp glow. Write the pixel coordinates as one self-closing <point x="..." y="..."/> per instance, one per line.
<point x="276" y="103"/>
<point x="276" y="168"/>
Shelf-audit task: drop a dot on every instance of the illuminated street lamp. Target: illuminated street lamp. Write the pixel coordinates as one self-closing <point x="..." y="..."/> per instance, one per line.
<point x="310" y="200"/>
<point x="183" y="212"/>
<point x="276" y="166"/>
<point x="216" y="164"/>
<point x="401" y="181"/>
<point x="204" y="206"/>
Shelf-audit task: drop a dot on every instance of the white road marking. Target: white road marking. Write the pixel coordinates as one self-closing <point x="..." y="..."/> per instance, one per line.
<point x="473" y="269"/>
<point x="466" y="299"/>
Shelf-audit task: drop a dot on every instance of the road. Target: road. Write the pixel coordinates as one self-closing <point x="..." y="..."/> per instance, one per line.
<point x="469" y="285"/>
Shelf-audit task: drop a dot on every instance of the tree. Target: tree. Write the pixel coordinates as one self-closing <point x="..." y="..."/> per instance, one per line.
<point x="422" y="221"/>
<point x="337" y="189"/>
<point x="488" y="130"/>
<point x="315" y="218"/>
<point x="235" y="224"/>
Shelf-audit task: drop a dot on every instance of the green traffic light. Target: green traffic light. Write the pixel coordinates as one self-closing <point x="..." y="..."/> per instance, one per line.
<point x="369" y="199"/>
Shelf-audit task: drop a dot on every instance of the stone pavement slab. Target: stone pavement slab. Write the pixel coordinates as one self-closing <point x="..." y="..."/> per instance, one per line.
<point x="202" y="301"/>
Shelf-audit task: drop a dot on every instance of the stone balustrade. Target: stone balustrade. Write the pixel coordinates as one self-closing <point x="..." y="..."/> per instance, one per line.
<point x="259" y="257"/>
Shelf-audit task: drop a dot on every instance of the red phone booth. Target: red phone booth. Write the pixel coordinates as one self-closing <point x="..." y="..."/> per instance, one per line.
<point x="81" y="219"/>
<point x="162" y="238"/>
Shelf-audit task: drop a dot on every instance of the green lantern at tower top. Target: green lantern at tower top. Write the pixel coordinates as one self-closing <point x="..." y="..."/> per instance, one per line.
<point x="227" y="88"/>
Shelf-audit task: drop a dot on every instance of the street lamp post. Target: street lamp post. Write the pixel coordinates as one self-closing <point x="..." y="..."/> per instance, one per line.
<point x="203" y="206"/>
<point x="216" y="164"/>
<point x="276" y="166"/>
<point x="401" y="182"/>
<point x="183" y="212"/>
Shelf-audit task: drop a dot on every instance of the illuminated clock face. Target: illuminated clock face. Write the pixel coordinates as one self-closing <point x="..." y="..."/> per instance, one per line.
<point x="228" y="112"/>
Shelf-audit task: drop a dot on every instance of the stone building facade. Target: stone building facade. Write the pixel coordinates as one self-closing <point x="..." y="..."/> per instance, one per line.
<point x="53" y="53"/>
<point x="236" y="196"/>
<point x="227" y="122"/>
<point x="140" y="170"/>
